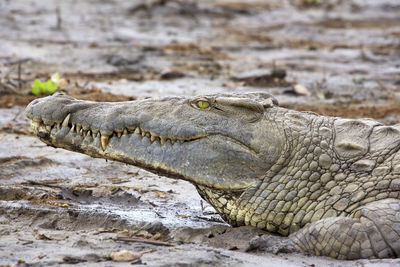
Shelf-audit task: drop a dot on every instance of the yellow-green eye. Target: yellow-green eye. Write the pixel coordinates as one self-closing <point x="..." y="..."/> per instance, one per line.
<point x="203" y="104"/>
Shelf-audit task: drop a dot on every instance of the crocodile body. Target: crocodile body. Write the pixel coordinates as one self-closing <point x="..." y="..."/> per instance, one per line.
<point x="331" y="184"/>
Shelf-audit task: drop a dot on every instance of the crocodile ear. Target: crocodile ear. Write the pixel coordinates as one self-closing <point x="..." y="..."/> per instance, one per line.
<point x="265" y="99"/>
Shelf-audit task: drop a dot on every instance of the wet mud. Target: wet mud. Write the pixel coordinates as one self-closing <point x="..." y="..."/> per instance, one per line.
<point x="337" y="58"/>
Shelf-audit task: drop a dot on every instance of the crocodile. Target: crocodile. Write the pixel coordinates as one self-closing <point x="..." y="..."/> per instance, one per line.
<point x="329" y="186"/>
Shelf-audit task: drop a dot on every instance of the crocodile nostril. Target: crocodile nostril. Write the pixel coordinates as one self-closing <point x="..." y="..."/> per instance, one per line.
<point x="34" y="102"/>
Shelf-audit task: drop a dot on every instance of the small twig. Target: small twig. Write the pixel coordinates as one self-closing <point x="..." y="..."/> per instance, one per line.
<point x="19" y="76"/>
<point x="146" y="241"/>
<point x="31" y="182"/>
<point x="17" y="61"/>
<point x="9" y="87"/>
<point x="59" y="20"/>
<point x="211" y="219"/>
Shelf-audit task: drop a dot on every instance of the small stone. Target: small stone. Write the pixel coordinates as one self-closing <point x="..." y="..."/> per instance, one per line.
<point x="171" y="75"/>
<point x="124" y="255"/>
<point x="301" y="90"/>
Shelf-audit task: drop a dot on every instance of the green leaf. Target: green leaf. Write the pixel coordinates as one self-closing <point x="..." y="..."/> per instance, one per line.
<point x="40" y="88"/>
<point x="37" y="86"/>
<point x="49" y="87"/>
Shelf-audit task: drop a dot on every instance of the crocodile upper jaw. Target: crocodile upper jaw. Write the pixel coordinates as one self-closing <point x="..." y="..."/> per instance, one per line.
<point x="189" y="152"/>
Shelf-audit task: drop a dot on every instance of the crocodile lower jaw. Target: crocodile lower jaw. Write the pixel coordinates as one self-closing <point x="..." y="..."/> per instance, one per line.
<point x="41" y="127"/>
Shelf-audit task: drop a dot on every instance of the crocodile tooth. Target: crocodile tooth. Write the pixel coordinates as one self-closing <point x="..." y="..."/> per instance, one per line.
<point x="48" y="128"/>
<point x="137" y="130"/>
<point x="66" y="120"/>
<point x="119" y="134"/>
<point x="72" y="128"/>
<point x="89" y="133"/>
<point x="80" y="132"/>
<point x="152" y="138"/>
<point x="35" y="125"/>
<point x="172" y="141"/>
<point x="163" y="139"/>
<point x="78" y="128"/>
<point x="42" y="128"/>
<point x="143" y="133"/>
<point x="104" y="141"/>
<point x="125" y="131"/>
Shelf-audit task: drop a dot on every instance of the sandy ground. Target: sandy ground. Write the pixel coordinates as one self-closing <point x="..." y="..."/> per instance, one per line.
<point x="59" y="207"/>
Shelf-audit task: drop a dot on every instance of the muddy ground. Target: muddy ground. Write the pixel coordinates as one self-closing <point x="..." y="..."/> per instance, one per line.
<point x="338" y="58"/>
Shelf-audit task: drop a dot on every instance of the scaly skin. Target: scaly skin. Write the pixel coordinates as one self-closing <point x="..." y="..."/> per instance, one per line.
<point x="331" y="184"/>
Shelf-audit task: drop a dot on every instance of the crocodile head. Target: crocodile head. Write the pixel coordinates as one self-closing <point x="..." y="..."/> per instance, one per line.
<point x="224" y="142"/>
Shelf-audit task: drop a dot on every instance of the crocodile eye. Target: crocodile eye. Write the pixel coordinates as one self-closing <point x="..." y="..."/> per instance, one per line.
<point x="202" y="104"/>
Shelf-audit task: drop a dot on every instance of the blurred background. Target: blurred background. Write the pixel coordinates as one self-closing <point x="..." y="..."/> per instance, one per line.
<point x="334" y="57"/>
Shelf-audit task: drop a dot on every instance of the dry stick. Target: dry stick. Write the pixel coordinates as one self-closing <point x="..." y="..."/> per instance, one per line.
<point x="59" y="19"/>
<point x="31" y="182"/>
<point x="9" y="87"/>
<point x="19" y="76"/>
<point x="146" y="241"/>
